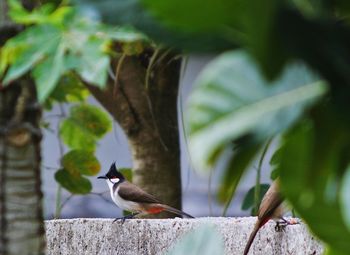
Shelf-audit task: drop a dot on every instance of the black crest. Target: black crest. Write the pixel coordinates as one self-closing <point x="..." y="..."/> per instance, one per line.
<point x="114" y="173"/>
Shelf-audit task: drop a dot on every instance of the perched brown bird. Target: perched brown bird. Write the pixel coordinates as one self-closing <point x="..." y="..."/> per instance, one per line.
<point x="270" y="208"/>
<point x="131" y="198"/>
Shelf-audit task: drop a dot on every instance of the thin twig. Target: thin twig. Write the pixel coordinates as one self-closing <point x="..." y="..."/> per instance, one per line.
<point x="150" y="66"/>
<point x="61" y="153"/>
<point x="258" y="178"/>
<point x="117" y="72"/>
<point x="210" y="201"/>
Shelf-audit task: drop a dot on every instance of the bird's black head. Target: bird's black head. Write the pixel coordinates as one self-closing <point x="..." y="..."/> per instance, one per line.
<point x="113" y="174"/>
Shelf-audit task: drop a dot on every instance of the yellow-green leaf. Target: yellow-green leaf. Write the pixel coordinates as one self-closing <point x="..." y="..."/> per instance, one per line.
<point x="81" y="161"/>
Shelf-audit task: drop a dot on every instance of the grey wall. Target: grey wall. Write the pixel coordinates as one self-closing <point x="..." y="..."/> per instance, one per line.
<point x="114" y="147"/>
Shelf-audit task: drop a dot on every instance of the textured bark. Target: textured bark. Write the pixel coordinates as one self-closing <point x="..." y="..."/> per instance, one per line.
<point x="21" y="219"/>
<point x="148" y="116"/>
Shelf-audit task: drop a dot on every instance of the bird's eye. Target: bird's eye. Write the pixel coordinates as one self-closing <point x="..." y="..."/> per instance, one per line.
<point x="114" y="180"/>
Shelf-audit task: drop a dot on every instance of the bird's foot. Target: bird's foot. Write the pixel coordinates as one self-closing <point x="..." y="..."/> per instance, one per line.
<point x="122" y="219"/>
<point x="283" y="223"/>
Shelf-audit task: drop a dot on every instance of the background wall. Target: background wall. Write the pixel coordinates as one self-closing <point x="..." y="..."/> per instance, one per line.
<point x="114" y="147"/>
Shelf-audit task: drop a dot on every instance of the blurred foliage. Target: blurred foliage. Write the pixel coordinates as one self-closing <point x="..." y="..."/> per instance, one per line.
<point x="57" y="42"/>
<point x="314" y="179"/>
<point x="84" y="126"/>
<point x="131" y="12"/>
<point x="232" y="99"/>
<point x="68" y="90"/>
<point x="62" y="49"/>
<point x="247" y="97"/>
<point x="76" y="184"/>
<point x="205" y="240"/>
<point x="127" y="173"/>
<point x="81" y="162"/>
<point x="80" y="131"/>
<point x="248" y="201"/>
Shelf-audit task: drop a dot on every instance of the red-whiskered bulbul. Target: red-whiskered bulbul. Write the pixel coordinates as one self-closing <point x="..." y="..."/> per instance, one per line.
<point x="131" y="198"/>
<point x="271" y="207"/>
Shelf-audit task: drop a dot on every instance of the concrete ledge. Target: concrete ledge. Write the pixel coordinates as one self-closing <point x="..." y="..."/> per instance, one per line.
<point x="138" y="237"/>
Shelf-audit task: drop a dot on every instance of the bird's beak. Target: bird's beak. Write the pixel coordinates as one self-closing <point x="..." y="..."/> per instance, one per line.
<point x="102" y="177"/>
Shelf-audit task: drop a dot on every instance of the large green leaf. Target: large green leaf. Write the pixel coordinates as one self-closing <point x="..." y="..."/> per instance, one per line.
<point x="92" y="118"/>
<point x="131" y="12"/>
<point x="75" y="136"/>
<point x="262" y="38"/>
<point x="249" y="23"/>
<point x="92" y="62"/>
<point x="196" y="15"/>
<point x="32" y="45"/>
<point x="76" y="184"/>
<point x="81" y="161"/>
<point x="85" y="124"/>
<point x="232" y="99"/>
<point x="48" y="72"/>
<point x="205" y="240"/>
<point x="313" y="168"/>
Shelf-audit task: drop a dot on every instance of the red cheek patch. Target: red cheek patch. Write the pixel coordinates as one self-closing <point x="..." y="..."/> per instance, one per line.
<point x="154" y="210"/>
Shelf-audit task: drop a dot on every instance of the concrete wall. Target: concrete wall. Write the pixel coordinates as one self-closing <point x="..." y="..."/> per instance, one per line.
<point x="138" y="237"/>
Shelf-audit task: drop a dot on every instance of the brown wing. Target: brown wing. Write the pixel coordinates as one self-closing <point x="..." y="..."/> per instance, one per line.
<point x="131" y="192"/>
<point x="270" y="202"/>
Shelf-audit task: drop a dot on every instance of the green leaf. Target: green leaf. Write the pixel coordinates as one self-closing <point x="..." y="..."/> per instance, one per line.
<point x="313" y="167"/>
<point x="44" y="14"/>
<point x="91" y="118"/>
<point x="196" y="15"/>
<point x="75" y="136"/>
<point x="345" y="197"/>
<point x="132" y="12"/>
<point x="75" y="184"/>
<point x="331" y="251"/>
<point x="262" y="37"/>
<point x="85" y="124"/>
<point x="235" y="168"/>
<point x="274" y="163"/>
<point x="248" y="201"/>
<point x="48" y="73"/>
<point x="81" y="161"/>
<point x="69" y="89"/>
<point x="232" y="100"/>
<point x="205" y="240"/>
<point x="127" y="173"/>
<point x="91" y="63"/>
<point x="35" y="44"/>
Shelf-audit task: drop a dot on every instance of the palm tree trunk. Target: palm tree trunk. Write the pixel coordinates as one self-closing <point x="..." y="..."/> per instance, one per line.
<point x="21" y="219"/>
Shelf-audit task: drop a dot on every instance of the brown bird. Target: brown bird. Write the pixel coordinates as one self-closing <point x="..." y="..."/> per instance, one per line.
<point x="270" y="208"/>
<point x="129" y="197"/>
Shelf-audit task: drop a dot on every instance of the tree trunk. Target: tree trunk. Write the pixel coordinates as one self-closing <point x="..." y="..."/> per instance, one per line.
<point x="21" y="219"/>
<point x="144" y="102"/>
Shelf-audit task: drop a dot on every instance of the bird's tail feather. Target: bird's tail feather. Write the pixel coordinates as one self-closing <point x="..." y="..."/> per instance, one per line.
<point x="251" y="238"/>
<point x="176" y="211"/>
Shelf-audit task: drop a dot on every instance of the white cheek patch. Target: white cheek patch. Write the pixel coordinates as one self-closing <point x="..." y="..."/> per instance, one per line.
<point x="115" y="180"/>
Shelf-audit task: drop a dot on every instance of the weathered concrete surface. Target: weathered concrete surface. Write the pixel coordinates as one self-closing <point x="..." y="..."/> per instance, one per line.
<point x="138" y="237"/>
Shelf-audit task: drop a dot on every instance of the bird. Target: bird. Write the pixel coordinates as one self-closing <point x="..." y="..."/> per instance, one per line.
<point x="130" y="197"/>
<point x="271" y="207"/>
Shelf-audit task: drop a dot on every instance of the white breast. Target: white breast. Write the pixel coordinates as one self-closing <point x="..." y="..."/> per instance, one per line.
<point x="122" y="203"/>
